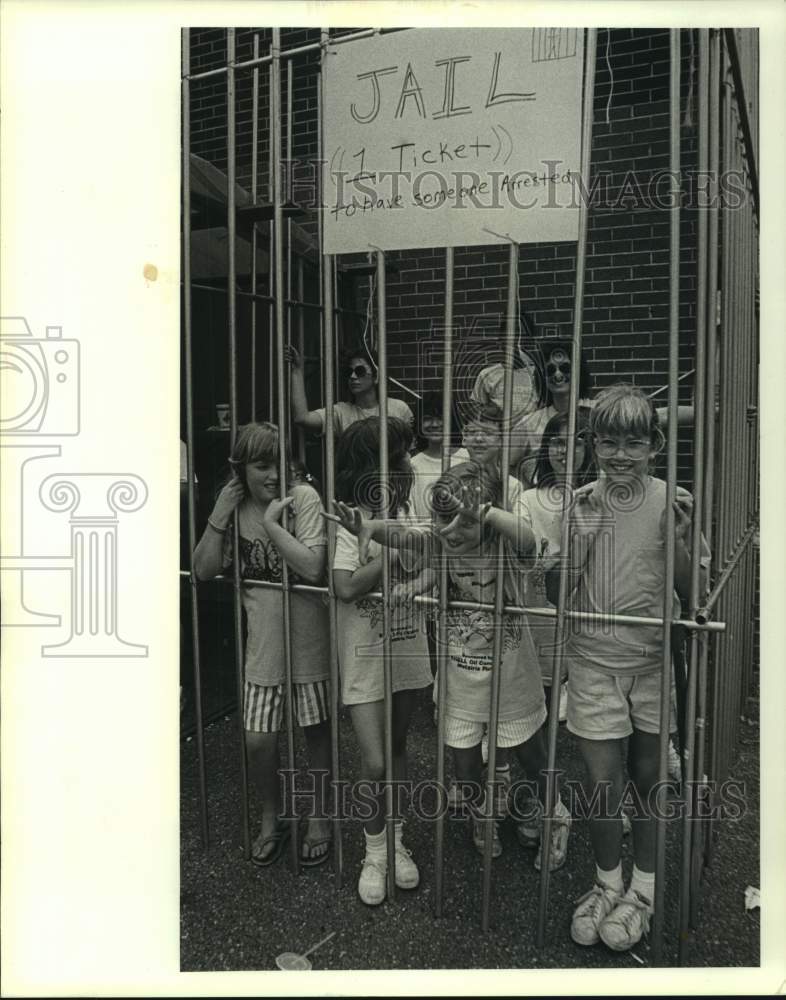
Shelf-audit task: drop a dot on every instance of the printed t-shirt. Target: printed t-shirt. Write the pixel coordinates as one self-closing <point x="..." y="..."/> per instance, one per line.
<point x="345" y="414"/>
<point x="260" y="560"/>
<point x="471" y="641"/>
<point x="360" y="630"/>
<point x="624" y="573"/>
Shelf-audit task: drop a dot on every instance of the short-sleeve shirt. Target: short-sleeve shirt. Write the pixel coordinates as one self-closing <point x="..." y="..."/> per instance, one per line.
<point x="260" y="560"/>
<point x="427" y="471"/>
<point x="345" y="414"/>
<point x="471" y="641"/>
<point x="360" y="632"/>
<point x="624" y="574"/>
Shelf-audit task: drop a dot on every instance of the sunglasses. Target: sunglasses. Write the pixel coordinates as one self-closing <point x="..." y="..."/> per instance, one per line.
<point x="552" y="369"/>
<point x="358" y="371"/>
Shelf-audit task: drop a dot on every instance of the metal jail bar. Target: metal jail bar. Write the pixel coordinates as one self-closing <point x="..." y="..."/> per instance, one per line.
<point x="193" y="593"/>
<point x="671" y="483"/>
<point x="736" y="501"/>
<point x="560" y="633"/>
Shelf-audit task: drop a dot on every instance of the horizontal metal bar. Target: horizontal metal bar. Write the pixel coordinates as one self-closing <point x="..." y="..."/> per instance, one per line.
<point x="509" y="609"/>
<point x="704" y="612"/>
<point x="289" y="53"/>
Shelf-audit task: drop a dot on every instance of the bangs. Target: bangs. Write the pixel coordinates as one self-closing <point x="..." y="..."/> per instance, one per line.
<point x="624" y="409"/>
<point x="256" y="443"/>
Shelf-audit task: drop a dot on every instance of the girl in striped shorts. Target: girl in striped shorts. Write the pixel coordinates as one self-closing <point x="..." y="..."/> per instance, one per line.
<point x="264" y="545"/>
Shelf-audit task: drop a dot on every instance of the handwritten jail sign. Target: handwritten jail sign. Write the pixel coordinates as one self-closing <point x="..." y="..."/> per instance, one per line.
<point x="432" y="136"/>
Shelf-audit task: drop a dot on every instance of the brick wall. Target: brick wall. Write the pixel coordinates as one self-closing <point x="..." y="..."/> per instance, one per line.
<point x="626" y="307"/>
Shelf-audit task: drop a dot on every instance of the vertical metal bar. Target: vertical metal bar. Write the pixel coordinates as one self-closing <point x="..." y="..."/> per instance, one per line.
<point x="590" y="47"/>
<point x="387" y="659"/>
<point x="288" y="307"/>
<point x="288" y="190"/>
<point x="278" y="221"/>
<point x="695" y="590"/>
<point x="499" y="588"/>
<point x="326" y="289"/>
<point x="301" y="344"/>
<point x="189" y="363"/>
<point x="271" y="167"/>
<point x="442" y="624"/>
<point x="232" y="306"/>
<point x="708" y="419"/>
<point x="254" y="193"/>
<point x="322" y="291"/>
<point x="671" y="480"/>
<point x="722" y="550"/>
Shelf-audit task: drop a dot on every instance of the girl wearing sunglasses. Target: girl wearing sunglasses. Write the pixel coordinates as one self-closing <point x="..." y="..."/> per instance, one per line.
<point x="358" y="372"/>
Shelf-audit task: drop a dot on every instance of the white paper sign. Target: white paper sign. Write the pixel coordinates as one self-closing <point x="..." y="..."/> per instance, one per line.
<point x="433" y="136"/>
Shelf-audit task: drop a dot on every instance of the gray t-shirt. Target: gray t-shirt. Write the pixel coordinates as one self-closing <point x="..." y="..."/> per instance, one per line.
<point x="260" y="560"/>
<point x="624" y="573"/>
<point x="345" y="414"/>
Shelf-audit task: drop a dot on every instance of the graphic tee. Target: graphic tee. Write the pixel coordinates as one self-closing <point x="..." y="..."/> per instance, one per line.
<point x="360" y="629"/>
<point x="471" y="641"/>
<point x="264" y="607"/>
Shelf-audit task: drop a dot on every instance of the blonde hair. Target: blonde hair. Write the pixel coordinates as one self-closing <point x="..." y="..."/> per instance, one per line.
<point x="625" y="409"/>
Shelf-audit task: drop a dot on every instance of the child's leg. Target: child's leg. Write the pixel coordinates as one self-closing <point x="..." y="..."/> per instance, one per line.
<point x="643" y="768"/>
<point x="368" y="721"/>
<point x="263" y="765"/>
<point x="603" y="791"/>
<point x="316" y="839"/>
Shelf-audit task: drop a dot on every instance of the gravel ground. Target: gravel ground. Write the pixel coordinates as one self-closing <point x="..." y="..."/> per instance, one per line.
<point x="238" y="917"/>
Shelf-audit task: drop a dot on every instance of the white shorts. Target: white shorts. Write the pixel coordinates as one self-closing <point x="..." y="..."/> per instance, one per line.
<point x="264" y="705"/>
<point x="461" y="734"/>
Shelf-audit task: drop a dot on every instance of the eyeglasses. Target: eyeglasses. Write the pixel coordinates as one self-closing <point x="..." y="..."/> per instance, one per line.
<point x="552" y="369"/>
<point x="635" y="447"/>
<point x="358" y="371"/>
<point x="561" y="444"/>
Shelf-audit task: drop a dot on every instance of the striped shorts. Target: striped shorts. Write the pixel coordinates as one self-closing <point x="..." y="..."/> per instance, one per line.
<point x="461" y="734"/>
<point x="264" y="705"/>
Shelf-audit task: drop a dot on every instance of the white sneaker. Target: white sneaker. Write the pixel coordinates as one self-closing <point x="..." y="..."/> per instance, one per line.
<point x="626" y="923"/>
<point x="407" y="874"/>
<point x="372" y="887"/>
<point x="591" y="911"/>
<point x="560" y="831"/>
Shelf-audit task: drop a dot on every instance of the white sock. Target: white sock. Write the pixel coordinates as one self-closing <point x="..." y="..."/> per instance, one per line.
<point x="375" y="845"/>
<point x="611" y="879"/>
<point x="644" y="884"/>
<point x="399" y="830"/>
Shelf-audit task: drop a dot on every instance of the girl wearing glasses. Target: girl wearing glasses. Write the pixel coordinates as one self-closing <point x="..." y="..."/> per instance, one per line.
<point x="359" y="373"/>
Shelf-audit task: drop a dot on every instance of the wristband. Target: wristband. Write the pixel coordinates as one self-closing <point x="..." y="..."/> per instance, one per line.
<point x="215" y="527"/>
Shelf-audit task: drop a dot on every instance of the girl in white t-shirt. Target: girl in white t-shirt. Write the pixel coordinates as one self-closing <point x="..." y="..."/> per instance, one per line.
<point x="360" y="633"/>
